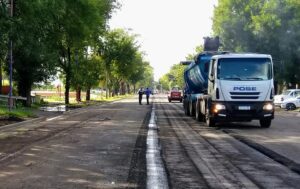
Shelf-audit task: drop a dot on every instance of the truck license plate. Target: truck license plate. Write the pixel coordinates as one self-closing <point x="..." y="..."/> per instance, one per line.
<point x="244" y="108"/>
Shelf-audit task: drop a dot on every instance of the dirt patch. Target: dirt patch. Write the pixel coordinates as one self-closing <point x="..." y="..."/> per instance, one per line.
<point x="9" y="120"/>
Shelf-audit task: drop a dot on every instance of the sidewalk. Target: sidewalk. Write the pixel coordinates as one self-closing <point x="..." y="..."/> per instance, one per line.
<point x="279" y="111"/>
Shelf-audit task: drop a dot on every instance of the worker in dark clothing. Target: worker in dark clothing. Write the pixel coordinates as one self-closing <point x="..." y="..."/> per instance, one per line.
<point x="141" y="92"/>
<point x="147" y="92"/>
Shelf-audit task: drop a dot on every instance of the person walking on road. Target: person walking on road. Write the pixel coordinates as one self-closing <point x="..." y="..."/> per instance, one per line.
<point x="141" y="92"/>
<point x="147" y="92"/>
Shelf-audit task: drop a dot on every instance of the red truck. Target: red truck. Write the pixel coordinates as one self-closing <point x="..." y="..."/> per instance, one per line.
<point x="175" y="94"/>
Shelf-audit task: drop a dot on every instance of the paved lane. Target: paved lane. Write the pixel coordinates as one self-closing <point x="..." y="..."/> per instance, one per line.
<point x="99" y="147"/>
<point x="200" y="157"/>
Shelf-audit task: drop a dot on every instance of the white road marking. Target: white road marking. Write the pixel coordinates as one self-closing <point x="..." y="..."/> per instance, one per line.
<point x="53" y="118"/>
<point x="156" y="174"/>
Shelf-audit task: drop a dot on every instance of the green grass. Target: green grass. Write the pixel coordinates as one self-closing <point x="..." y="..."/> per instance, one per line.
<point x="18" y="112"/>
<point x="73" y="102"/>
<point x="22" y="112"/>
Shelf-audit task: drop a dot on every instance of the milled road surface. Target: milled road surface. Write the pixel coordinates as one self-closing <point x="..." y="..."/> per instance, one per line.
<point x="95" y="147"/>
<point x="107" y="147"/>
<point x="200" y="157"/>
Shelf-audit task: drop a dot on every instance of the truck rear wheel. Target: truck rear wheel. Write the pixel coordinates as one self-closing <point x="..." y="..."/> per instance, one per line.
<point x="210" y="122"/>
<point x="186" y="108"/>
<point x="192" y="109"/>
<point x="199" y="115"/>
<point x="265" y="123"/>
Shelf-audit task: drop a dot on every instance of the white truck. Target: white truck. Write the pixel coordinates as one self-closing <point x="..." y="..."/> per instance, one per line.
<point x="239" y="87"/>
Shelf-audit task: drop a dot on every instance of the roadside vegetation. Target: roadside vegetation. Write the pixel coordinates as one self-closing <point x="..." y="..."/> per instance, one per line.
<point x="266" y="26"/>
<point x="17" y="113"/>
<point x="72" y="42"/>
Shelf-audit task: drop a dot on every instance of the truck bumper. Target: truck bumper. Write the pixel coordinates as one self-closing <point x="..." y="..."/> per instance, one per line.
<point x="242" y="111"/>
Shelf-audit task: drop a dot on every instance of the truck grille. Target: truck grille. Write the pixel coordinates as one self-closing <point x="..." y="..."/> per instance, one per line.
<point x="245" y="95"/>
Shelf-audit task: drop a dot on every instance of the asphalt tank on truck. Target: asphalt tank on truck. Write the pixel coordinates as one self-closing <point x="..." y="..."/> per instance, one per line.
<point x="229" y="87"/>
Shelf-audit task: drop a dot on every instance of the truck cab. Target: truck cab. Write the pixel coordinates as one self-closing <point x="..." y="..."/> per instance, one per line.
<point x="240" y="88"/>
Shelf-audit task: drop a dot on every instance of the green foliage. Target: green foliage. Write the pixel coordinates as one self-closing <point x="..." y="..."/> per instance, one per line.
<point x="148" y="76"/>
<point x="173" y="78"/>
<point x="17" y="113"/>
<point x="177" y="72"/>
<point x="138" y="69"/>
<point x="122" y="60"/>
<point x="264" y="26"/>
<point x="53" y="36"/>
<point x="4" y="31"/>
<point x="165" y="82"/>
<point x="87" y="71"/>
<point x="73" y="27"/>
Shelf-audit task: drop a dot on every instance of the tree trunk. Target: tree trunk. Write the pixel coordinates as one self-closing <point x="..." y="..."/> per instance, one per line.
<point x="0" y="77"/>
<point x="134" y="90"/>
<point x="67" y="88"/>
<point x="122" y="88"/>
<point x="68" y="77"/>
<point x="106" y="84"/>
<point x="88" y="94"/>
<point x="24" y="90"/>
<point x="117" y="91"/>
<point x="78" y="94"/>
<point x="28" y="97"/>
<point x="128" y="88"/>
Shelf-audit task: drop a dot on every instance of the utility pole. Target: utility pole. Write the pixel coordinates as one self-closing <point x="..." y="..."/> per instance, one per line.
<point x="11" y="59"/>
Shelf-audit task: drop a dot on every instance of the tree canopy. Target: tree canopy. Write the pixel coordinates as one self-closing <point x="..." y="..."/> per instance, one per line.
<point x="72" y="38"/>
<point x="264" y="26"/>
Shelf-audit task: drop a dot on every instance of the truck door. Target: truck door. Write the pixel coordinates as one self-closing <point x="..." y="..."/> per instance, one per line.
<point x="211" y="77"/>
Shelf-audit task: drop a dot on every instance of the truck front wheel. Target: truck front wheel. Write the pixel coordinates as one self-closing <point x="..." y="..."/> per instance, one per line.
<point x="265" y="123"/>
<point x="210" y="122"/>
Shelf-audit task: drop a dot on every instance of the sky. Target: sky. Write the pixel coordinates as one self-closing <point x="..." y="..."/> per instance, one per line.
<point x="168" y="30"/>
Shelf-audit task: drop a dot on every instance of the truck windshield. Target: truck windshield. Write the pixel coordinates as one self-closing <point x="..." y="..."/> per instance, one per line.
<point x="244" y="69"/>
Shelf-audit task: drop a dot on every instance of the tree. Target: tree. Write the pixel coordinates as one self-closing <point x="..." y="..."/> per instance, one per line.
<point x="4" y="34"/>
<point x="177" y="71"/>
<point x="148" y="76"/>
<point x="137" y="71"/>
<point x="94" y="71"/>
<point x="32" y="60"/>
<point x="264" y="26"/>
<point x="72" y="27"/>
<point x="118" y="49"/>
<point x="165" y="82"/>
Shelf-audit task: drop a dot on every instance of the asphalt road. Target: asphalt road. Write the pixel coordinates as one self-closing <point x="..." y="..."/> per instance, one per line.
<point x="126" y="145"/>
<point x="234" y="155"/>
<point x="94" y="147"/>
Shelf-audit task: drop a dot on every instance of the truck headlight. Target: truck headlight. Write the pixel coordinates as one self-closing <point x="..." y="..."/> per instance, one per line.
<point x="219" y="107"/>
<point x="268" y="107"/>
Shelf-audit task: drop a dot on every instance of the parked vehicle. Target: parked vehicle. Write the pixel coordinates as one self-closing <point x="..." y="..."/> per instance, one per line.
<point x="291" y="93"/>
<point x="175" y="94"/>
<point x="291" y="103"/>
<point x="228" y="87"/>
